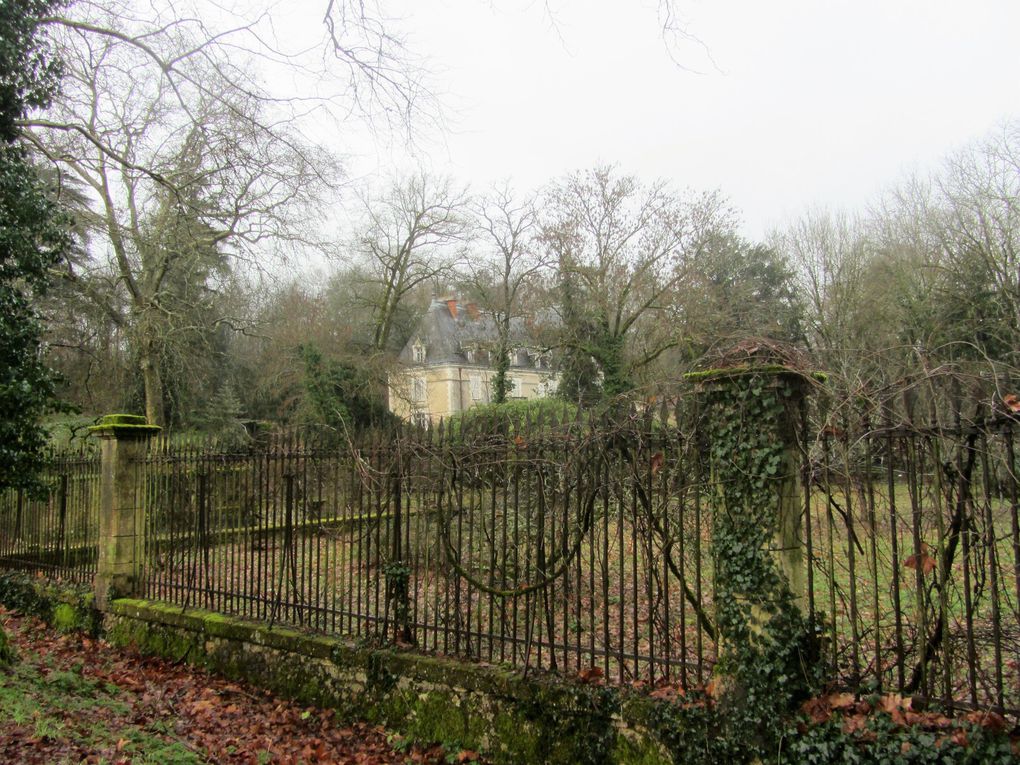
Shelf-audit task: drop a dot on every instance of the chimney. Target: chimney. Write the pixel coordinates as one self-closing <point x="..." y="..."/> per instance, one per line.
<point x="473" y="312"/>
<point x="451" y="303"/>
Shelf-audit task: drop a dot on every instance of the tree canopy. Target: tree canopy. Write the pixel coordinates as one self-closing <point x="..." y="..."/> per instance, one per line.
<point x="33" y="237"/>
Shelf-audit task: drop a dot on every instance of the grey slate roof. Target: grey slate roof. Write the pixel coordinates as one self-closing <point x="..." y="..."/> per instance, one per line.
<point x="447" y="338"/>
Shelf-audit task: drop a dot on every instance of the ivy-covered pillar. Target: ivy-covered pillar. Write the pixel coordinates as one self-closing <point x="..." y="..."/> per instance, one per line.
<point x="752" y="419"/>
<point x="124" y="439"/>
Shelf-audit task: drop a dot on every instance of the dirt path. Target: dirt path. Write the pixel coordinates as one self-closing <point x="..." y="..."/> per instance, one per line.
<point x="71" y="699"/>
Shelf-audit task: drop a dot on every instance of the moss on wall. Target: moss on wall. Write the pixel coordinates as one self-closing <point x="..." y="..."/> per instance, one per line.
<point x="428" y="699"/>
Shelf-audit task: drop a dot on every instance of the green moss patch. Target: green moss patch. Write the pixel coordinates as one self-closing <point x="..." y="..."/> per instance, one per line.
<point x="68" y="608"/>
<point x="65" y="618"/>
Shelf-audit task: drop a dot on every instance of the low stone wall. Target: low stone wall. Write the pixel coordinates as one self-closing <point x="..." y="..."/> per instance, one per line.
<point x="67" y="608"/>
<point x="508" y="718"/>
<point x="495" y="711"/>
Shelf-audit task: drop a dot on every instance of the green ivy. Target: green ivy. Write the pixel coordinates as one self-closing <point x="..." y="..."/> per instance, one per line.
<point x="397" y="575"/>
<point x="770" y="656"/>
<point x="70" y="606"/>
<point x="34" y="236"/>
<point x="19" y="593"/>
<point x="695" y="733"/>
<point x="883" y="741"/>
<point x="579" y="731"/>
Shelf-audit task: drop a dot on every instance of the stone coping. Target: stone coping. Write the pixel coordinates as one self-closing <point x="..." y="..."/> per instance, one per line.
<point x="123" y="426"/>
<point x="493" y="680"/>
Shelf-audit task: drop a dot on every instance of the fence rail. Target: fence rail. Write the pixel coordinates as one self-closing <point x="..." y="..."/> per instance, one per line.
<point x="564" y="545"/>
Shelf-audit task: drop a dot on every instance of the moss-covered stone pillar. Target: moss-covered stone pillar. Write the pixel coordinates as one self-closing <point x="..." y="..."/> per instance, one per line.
<point x="752" y="420"/>
<point x="124" y="441"/>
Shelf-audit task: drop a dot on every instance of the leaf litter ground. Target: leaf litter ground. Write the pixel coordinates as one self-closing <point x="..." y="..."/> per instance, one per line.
<point x="73" y="699"/>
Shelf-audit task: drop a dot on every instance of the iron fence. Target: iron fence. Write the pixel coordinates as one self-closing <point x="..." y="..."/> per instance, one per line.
<point x="57" y="534"/>
<point x="552" y="545"/>
<point x="566" y="545"/>
<point x="915" y="546"/>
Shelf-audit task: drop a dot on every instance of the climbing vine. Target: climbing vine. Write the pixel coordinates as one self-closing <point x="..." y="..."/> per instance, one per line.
<point x="397" y="575"/>
<point x="769" y="655"/>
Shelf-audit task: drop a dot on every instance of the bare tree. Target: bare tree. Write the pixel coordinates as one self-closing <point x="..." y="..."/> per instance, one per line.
<point x="856" y="281"/>
<point x="622" y="249"/>
<point x="384" y="81"/>
<point x="408" y="240"/>
<point x="509" y="263"/>
<point x="830" y="254"/>
<point x="979" y="192"/>
<point x="946" y="265"/>
<point x="191" y="170"/>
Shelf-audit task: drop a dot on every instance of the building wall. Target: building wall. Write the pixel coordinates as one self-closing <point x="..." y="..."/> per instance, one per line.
<point x="450" y="389"/>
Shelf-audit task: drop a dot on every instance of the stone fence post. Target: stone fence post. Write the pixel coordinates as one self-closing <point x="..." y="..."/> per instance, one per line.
<point x="124" y="441"/>
<point x="752" y="411"/>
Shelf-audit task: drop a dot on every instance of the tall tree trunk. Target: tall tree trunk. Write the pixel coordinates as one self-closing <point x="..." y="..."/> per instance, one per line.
<point x="152" y="380"/>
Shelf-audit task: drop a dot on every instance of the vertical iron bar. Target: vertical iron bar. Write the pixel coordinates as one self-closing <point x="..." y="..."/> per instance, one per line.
<point x="873" y="531"/>
<point x="699" y="635"/>
<point x="62" y="525"/>
<point x="381" y="505"/>
<point x="495" y="475"/>
<point x="622" y="614"/>
<point x="921" y="639"/>
<point x="665" y="590"/>
<point x="203" y="533"/>
<point x="1014" y="507"/>
<point x="648" y="563"/>
<point x="993" y="571"/>
<point x="894" y="551"/>
<point x="830" y="523"/>
<point x="851" y="544"/>
<point x="808" y="515"/>
<point x="517" y="565"/>
<point x="505" y="478"/>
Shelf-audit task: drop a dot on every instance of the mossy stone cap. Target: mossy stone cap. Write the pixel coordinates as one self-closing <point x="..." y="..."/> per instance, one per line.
<point x="124" y="425"/>
<point x="756" y="356"/>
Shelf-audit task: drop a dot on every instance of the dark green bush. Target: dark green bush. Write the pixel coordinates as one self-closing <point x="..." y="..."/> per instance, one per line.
<point x="509" y="419"/>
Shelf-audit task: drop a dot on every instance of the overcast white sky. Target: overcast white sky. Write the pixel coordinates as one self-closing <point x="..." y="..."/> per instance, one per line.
<point x="790" y="104"/>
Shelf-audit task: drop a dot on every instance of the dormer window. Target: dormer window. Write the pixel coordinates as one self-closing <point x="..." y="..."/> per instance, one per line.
<point x="418" y="353"/>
